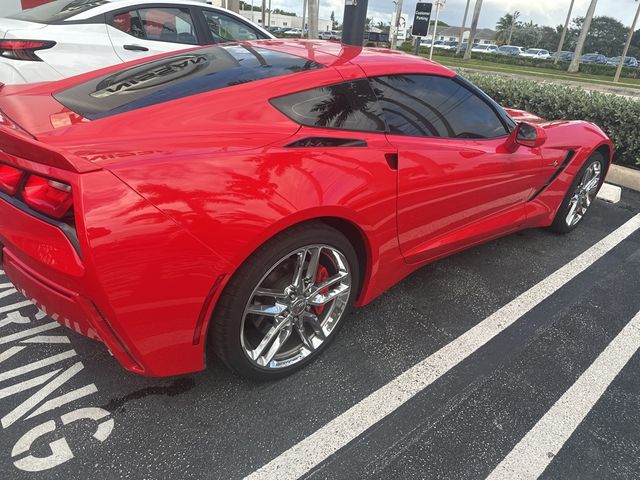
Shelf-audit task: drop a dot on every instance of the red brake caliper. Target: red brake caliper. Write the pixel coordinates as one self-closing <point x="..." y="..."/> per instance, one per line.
<point x="321" y="276"/>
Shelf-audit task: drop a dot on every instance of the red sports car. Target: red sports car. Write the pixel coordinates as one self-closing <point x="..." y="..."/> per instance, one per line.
<point x="244" y="196"/>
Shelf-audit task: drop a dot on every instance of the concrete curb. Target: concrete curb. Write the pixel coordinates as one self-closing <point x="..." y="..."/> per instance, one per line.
<point x="610" y="193"/>
<point x="624" y="177"/>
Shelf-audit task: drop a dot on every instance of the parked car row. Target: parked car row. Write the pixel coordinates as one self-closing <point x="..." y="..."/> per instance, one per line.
<point x="540" y="53"/>
<point x="298" y="32"/>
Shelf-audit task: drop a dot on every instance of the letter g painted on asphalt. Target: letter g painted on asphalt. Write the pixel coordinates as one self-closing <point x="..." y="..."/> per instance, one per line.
<point x="60" y="450"/>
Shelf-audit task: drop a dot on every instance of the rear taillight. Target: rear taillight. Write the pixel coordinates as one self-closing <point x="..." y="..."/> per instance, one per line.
<point x="50" y="197"/>
<point x="9" y="179"/>
<point x="24" y="49"/>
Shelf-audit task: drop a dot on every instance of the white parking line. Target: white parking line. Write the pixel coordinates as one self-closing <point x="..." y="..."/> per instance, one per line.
<point x="534" y="452"/>
<point x="6" y="293"/>
<point x="15" y="306"/>
<point x="312" y="450"/>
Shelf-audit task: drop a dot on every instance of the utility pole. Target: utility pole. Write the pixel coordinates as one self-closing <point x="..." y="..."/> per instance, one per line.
<point x="264" y="7"/>
<point x="514" y="18"/>
<point x="474" y="27"/>
<point x="564" y="33"/>
<point x="304" y="16"/>
<point x="313" y="18"/>
<point x="397" y="18"/>
<point x="269" y="15"/>
<point x="439" y="3"/>
<point x="626" y="47"/>
<point x="233" y="5"/>
<point x="574" y="67"/>
<point x="353" y="21"/>
<point x="464" y="23"/>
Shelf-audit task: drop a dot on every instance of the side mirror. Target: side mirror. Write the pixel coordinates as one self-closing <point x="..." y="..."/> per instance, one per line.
<point x="526" y="134"/>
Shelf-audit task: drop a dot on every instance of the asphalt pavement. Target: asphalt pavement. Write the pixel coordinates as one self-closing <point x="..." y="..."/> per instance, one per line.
<point x="514" y="359"/>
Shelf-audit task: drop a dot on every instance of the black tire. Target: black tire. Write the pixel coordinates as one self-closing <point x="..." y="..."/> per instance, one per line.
<point x="226" y="330"/>
<point x="560" y="224"/>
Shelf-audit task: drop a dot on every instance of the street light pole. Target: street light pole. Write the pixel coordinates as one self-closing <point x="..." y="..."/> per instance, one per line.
<point x="304" y="14"/>
<point x="626" y="47"/>
<point x="269" y="15"/>
<point x="574" y="67"/>
<point x="435" y="28"/>
<point x="515" y="16"/>
<point x="396" y="24"/>
<point x="564" y="33"/>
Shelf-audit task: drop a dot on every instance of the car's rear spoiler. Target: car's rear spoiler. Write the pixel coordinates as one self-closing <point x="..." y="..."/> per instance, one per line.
<point x="17" y="143"/>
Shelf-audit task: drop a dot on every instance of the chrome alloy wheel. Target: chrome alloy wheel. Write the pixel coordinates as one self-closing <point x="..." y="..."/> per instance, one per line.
<point x="584" y="193"/>
<point x="295" y="306"/>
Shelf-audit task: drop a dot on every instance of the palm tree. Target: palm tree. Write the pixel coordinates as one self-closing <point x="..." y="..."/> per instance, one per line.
<point x="474" y="27"/>
<point x="626" y="46"/>
<point x="464" y="22"/>
<point x="574" y="66"/>
<point x="564" y="33"/>
<point x="504" y="27"/>
<point x="314" y="8"/>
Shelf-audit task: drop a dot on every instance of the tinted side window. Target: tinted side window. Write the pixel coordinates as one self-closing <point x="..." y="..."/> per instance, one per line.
<point x="226" y="29"/>
<point x="129" y="22"/>
<point x="347" y="106"/>
<point x="173" y="25"/>
<point x="431" y="106"/>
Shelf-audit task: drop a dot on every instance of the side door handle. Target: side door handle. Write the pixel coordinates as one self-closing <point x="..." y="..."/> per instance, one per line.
<point x="136" y="48"/>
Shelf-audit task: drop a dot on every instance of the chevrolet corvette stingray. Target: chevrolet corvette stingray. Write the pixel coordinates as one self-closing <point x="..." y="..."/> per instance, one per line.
<point x="240" y="198"/>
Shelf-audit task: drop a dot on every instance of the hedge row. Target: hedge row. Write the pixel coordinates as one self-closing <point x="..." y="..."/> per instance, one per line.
<point x="588" y="68"/>
<point x="618" y="116"/>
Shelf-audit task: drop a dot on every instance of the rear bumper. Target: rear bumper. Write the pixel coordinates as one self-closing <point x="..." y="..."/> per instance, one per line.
<point x="66" y="307"/>
<point x="104" y="279"/>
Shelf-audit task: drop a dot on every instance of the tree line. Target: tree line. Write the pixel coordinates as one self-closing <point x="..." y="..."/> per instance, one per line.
<point x="606" y="35"/>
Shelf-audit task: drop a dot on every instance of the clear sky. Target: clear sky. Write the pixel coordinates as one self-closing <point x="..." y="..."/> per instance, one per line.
<point x="542" y="12"/>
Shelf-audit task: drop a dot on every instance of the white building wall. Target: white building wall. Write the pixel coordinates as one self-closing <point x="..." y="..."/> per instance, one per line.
<point x="9" y="7"/>
<point x="278" y="20"/>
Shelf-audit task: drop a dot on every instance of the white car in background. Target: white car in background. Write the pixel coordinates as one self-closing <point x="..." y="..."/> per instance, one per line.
<point x="485" y="48"/>
<point x="330" y="35"/>
<point x="68" y="37"/>
<point x="536" y="53"/>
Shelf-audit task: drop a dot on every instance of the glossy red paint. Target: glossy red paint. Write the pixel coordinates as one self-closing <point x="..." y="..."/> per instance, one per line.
<point x="169" y="200"/>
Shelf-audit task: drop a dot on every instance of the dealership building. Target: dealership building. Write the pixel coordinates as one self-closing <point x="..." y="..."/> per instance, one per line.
<point x="9" y="7"/>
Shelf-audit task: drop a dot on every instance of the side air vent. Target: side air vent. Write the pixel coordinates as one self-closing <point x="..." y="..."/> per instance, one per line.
<point x="310" y="142"/>
<point x="567" y="159"/>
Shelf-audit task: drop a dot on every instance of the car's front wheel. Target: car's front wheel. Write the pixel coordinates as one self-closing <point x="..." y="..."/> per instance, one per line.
<point x="581" y="194"/>
<point x="286" y="302"/>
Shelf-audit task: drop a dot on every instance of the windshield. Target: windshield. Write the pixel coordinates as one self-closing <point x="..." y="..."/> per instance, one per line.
<point x="533" y="51"/>
<point x="57" y="11"/>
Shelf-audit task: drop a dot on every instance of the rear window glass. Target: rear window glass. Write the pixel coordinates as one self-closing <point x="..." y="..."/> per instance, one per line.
<point x="178" y="76"/>
<point x="57" y="11"/>
<point x="345" y="106"/>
